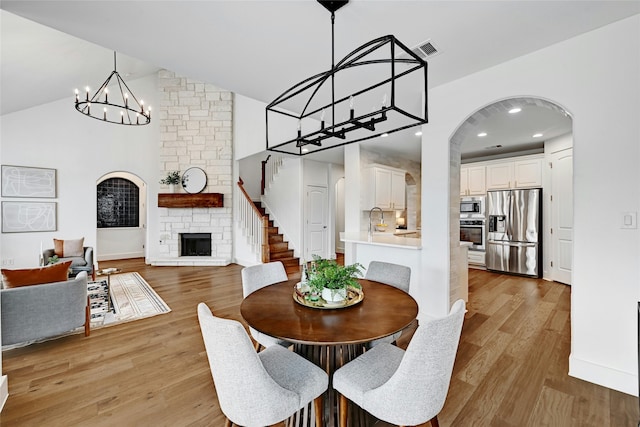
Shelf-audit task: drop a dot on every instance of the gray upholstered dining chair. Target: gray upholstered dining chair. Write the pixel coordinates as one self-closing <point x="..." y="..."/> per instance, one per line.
<point x="257" y="389"/>
<point x="257" y="277"/>
<point x="404" y="387"/>
<point x="396" y="275"/>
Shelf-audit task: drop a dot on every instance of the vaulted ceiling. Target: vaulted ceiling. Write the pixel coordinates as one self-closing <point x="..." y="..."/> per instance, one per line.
<point x="261" y="48"/>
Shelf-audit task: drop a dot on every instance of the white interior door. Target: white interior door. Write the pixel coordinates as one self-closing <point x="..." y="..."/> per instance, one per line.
<point x="316" y="219"/>
<point x="562" y="215"/>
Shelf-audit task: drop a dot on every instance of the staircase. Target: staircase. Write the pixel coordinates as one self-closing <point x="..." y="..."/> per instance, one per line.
<point x="279" y="248"/>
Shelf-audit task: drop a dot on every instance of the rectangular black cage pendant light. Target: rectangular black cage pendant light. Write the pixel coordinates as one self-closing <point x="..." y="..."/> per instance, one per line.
<point x="378" y="89"/>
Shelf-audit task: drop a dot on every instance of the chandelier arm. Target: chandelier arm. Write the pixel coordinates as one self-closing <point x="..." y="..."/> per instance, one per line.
<point x="282" y="96"/>
<point x="96" y="96"/>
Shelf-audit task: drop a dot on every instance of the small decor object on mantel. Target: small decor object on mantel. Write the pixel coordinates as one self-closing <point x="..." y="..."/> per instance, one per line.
<point x="330" y="284"/>
<point x="172" y="179"/>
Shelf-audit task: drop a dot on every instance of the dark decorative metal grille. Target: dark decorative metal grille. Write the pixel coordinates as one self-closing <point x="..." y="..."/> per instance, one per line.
<point x="118" y="203"/>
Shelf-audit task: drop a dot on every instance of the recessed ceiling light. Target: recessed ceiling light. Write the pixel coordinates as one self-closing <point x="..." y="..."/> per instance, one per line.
<point x="537" y="135"/>
<point x="515" y="110"/>
<point x="481" y="134"/>
<point x="384" y="135"/>
<point x="305" y="150"/>
<point x="419" y="133"/>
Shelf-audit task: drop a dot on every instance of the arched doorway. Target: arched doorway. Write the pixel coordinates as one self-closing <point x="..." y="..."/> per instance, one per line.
<point x="556" y="147"/>
<point x="121" y="216"/>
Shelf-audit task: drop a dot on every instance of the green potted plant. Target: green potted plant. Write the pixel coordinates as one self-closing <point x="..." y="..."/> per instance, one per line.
<point x="330" y="280"/>
<point x="171" y="179"/>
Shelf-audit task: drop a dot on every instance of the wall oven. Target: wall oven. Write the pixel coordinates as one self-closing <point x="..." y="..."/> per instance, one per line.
<point x="473" y="230"/>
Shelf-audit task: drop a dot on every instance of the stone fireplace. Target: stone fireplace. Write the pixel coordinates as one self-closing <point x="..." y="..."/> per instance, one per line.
<point x="196" y="125"/>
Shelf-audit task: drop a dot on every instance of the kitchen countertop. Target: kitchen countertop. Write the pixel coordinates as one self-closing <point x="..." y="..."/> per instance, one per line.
<point x="382" y="239"/>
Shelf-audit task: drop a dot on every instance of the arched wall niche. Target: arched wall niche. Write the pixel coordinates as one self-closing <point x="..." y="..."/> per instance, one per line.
<point x="129" y="242"/>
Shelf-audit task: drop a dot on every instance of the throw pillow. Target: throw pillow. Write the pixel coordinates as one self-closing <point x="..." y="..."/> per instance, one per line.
<point x="68" y="248"/>
<point x="58" y="272"/>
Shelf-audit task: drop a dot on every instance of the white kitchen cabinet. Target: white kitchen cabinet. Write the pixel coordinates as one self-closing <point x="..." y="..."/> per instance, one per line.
<point x="509" y="174"/>
<point x="527" y="173"/>
<point x="476" y="258"/>
<point x="500" y="176"/>
<point x="384" y="188"/>
<point x="472" y="181"/>
<point x="398" y="189"/>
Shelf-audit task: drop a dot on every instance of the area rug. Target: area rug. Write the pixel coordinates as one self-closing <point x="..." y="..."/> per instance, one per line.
<point x="131" y="299"/>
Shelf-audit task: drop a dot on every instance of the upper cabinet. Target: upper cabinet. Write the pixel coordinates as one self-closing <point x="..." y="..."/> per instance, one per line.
<point x="384" y="188"/>
<point x="500" y="176"/>
<point x="472" y="180"/>
<point x="523" y="173"/>
<point x="528" y="173"/>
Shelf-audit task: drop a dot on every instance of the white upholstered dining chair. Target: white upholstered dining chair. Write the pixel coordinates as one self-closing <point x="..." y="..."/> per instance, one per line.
<point x="257" y="389"/>
<point x="257" y="277"/>
<point x="409" y="387"/>
<point x="396" y="275"/>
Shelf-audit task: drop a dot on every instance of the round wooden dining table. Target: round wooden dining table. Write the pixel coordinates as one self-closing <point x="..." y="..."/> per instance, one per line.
<point x="329" y="337"/>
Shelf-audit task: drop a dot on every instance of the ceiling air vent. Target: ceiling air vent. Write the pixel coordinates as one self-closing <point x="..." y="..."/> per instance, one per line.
<point x="426" y="49"/>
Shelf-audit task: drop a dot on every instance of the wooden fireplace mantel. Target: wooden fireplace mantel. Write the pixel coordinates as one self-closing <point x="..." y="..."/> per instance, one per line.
<point x="184" y="200"/>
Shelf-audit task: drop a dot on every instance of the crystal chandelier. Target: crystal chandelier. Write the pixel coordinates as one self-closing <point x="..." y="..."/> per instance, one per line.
<point x="122" y="107"/>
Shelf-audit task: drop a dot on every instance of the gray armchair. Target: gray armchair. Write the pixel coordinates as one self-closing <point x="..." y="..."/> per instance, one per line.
<point x="35" y="312"/>
<point x="78" y="264"/>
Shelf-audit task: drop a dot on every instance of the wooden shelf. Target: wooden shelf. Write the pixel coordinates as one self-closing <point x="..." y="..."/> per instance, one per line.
<point x="183" y="200"/>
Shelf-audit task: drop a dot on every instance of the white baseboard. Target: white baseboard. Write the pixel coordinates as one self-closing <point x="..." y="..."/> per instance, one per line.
<point x="625" y="382"/>
<point x="124" y="255"/>
<point x="246" y="262"/>
<point x="4" y="391"/>
<point x="190" y="261"/>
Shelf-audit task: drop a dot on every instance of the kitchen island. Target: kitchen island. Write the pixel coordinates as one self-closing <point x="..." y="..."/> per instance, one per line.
<point x="382" y="239"/>
<point x="397" y="249"/>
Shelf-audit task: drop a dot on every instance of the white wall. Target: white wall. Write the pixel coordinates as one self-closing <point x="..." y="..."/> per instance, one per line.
<point x="248" y="127"/>
<point x="81" y="149"/>
<point x="284" y="201"/>
<point x="595" y="77"/>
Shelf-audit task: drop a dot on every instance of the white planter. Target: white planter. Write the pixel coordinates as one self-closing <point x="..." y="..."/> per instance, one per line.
<point x="172" y="188"/>
<point x="334" y="295"/>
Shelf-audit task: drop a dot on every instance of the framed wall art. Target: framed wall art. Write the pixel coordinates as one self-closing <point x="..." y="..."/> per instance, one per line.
<point x="22" y="181"/>
<point x="25" y="217"/>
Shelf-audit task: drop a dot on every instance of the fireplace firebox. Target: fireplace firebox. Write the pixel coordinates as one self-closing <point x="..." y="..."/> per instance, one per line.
<point x="195" y="244"/>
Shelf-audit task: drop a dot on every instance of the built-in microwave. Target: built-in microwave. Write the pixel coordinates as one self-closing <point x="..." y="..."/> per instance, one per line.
<point x="472" y="207"/>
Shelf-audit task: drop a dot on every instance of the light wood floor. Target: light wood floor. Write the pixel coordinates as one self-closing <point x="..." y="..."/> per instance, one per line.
<point x="511" y="368"/>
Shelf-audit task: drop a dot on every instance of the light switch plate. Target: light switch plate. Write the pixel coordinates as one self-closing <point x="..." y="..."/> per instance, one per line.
<point x="629" y="220"/>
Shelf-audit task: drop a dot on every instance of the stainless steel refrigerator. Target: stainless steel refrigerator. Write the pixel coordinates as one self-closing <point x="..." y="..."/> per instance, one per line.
<point x="514" y="231"/>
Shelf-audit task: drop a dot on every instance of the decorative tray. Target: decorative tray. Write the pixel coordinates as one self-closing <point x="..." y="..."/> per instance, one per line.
<point x="354" y="296"/>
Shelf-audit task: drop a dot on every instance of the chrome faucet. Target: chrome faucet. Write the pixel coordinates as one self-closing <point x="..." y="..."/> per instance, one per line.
<point x="381" y="218"/>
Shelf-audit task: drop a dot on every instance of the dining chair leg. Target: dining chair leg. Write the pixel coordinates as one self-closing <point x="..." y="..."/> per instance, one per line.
<point x="434" y="422"/>
<point x="228" y="423"/>
<point x="319" y="409"/>
<point x="342" y="408"/>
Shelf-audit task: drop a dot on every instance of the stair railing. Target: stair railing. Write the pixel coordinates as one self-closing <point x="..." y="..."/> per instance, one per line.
<point x="269" y="171"/>
<point x="255" y="224"/>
